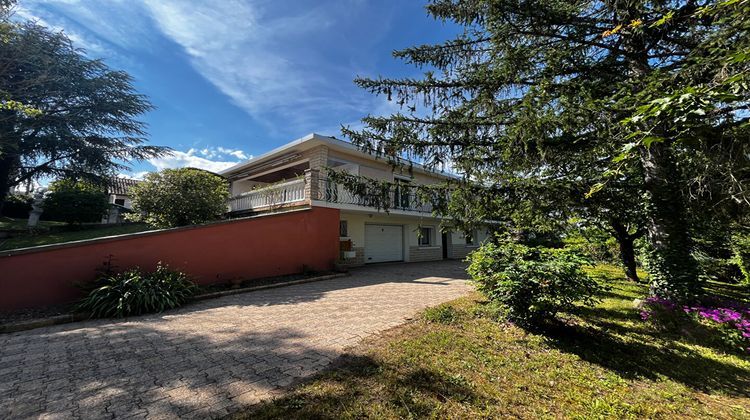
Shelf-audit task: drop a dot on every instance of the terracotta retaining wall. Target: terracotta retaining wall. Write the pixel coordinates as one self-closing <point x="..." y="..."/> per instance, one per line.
<point x="265" y="246"/>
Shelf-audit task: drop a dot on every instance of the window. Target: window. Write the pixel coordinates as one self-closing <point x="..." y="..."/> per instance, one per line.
<point x="343" y="228"/>
<point x="426" y="234"/>
<point x="120" y="201"/>
<point x="401" y="194"/>
<point x="470" y="239"/>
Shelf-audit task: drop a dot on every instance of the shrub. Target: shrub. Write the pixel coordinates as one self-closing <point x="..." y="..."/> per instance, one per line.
<point x="17" y="205"/>
<point x="179" y="197"/>
<point x="75" y="202"/>
<point x="741" y="257"/>
<point x="534" y="283"/>
<point x="133" y="293"/>
<point x="595" y="244"/>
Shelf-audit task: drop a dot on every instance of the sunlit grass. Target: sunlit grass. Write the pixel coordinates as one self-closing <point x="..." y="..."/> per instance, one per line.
<point x="47" y="238"/>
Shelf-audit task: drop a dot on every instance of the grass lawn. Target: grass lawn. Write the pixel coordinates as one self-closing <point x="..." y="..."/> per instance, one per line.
<point x="10" y="223"/>
<point x="458" y="361"/>
<point x="46" y="238"/>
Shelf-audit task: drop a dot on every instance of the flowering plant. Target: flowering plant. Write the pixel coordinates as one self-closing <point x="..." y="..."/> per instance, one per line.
<point x="730" y="318"/>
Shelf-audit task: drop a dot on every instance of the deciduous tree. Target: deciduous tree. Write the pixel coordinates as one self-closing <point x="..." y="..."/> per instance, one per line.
<point x="179" y="197"/>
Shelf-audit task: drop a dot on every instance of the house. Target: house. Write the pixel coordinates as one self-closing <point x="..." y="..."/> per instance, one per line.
<point x="293" y="176"/>
<point x="119" y="198"/>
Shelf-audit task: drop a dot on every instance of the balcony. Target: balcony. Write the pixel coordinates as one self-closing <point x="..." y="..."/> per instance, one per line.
<point x="281" y="194"/>
<point x="314" y="189"/>
<point x="398" y="199"/>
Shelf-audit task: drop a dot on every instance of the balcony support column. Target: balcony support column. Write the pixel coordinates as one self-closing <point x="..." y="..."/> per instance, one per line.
<point x="312" y="184"/>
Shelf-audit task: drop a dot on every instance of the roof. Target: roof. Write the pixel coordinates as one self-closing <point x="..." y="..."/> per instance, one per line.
<point x="120" y="186"/>
<point x="311" y="140"/>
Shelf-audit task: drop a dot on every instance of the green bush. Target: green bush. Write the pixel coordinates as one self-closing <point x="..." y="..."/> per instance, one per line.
<point x="741" y="257"/>
<point x="595" y="244"/>
<point x="179" y="197"/>
<point x="75" y="202"/>
<point x="534" y="283"/>
<point x="17" y="205"/>
<point x="133" y="293"/>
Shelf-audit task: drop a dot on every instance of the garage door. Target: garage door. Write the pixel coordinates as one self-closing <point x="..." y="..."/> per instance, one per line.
<point x="383" y="243"/>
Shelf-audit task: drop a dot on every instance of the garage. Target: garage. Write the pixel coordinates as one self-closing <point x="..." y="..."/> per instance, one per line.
<point x="384" y="243"/>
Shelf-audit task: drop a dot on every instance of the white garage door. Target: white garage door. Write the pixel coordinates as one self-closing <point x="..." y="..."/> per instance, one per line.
<point x="383" y="243"/>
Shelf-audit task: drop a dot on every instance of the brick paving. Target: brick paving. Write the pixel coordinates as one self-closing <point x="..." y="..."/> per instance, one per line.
<point x="214" y="357"/>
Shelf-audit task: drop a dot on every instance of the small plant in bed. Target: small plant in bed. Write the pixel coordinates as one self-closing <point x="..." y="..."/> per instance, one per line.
<point x="134" y="292"/>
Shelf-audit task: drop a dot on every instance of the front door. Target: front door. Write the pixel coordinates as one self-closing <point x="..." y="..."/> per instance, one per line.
<point x="445" y="245"/>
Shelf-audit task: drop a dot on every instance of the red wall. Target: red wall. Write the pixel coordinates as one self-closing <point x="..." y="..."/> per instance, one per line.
<point x="247" y="248"/>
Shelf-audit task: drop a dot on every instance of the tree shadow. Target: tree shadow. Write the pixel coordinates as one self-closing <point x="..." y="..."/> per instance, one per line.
<point x="634" y="359"/>
<point x="410" y="393"/>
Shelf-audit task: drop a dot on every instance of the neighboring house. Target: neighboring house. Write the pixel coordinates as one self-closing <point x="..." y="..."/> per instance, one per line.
<point x="119" y="197"/>
<point x="293" y="176"/>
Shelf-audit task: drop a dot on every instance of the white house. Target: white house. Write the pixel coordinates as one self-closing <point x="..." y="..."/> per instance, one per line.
<point x="293" y="176"/>
<point x="119" y="198"/>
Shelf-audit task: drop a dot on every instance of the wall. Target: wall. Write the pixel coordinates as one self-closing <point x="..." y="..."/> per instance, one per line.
<point x="356" y="226"/>
<point x="458" y="248"/>
<point x="249" y="248"/>
<point x="380" y="169"/>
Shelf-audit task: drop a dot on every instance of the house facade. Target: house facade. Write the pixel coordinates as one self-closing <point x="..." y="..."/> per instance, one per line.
<point x="118" y="193"/>
<point x="293" y="176"/>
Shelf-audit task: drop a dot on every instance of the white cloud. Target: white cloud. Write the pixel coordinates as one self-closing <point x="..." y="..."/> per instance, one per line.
<point x="221" y="152"/>
<point x="180" y="159"/>
<point x="91" y="45"/>
<point x="248" y="54"/>
<point x="239" y="154"/>
<point x="135" y="175"/>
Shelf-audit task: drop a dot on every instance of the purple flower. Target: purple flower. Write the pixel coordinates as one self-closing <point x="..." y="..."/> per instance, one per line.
<point x="645" y="315"/>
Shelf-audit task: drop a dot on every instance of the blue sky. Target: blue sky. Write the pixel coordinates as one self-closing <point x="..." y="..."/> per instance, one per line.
<point x="235" y="78"/>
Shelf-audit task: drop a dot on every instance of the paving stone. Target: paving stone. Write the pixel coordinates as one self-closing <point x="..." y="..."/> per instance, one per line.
<point x="215" y="357"/>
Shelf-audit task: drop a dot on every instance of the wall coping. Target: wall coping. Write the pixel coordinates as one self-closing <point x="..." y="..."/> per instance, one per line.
<point x="127" y="236"/>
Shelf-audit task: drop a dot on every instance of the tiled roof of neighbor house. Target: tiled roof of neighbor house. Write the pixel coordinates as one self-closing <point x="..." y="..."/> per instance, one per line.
<point x="120" y="186"/>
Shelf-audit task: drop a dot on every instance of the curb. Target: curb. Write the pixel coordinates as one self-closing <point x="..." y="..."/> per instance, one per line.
<point x="70" y="318"/>
<point x="223" y="293"/>
<point x="43" y="322"/>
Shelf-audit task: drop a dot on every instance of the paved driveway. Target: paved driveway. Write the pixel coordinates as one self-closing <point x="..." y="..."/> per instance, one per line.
<point x="213" y="357"/>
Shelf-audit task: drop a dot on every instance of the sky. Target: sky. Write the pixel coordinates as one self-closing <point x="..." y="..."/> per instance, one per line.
<point x="232" y="79"/>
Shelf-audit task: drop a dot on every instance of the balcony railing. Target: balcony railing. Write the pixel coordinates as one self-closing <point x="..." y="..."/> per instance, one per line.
<point x="314" y="187"/>
<point x="398" y="198"/>
<point x="274" y="195"/>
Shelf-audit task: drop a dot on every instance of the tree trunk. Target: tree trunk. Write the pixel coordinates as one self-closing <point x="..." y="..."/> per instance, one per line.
<point x="6" y="168"/>
<point x="627" y="252"/>
<point x="672" y="268"/>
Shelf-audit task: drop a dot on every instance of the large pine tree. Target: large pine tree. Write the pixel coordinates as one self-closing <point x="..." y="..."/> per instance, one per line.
<point x="62" y="114"/>
<point x="556" y="102"/>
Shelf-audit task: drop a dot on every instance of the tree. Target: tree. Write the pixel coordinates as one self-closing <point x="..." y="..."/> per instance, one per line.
<point x="75" y="202"/>
<point x="63" y="115"/>
<point x="538" y="94"/>
<point x="179" y="197"/>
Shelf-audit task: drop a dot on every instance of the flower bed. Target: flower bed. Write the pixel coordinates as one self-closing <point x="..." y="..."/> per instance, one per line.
<point x="730" y="318"/>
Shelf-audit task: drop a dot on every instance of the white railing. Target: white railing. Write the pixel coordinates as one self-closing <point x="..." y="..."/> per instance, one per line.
<point x="270" y="196"/>
<point x="398" y="199"/>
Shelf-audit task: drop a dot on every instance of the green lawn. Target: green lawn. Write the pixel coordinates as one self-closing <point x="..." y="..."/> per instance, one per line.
<point x="10" y="223"/>
<point x="46" y="238"/>
<point x="458" y="361"/>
